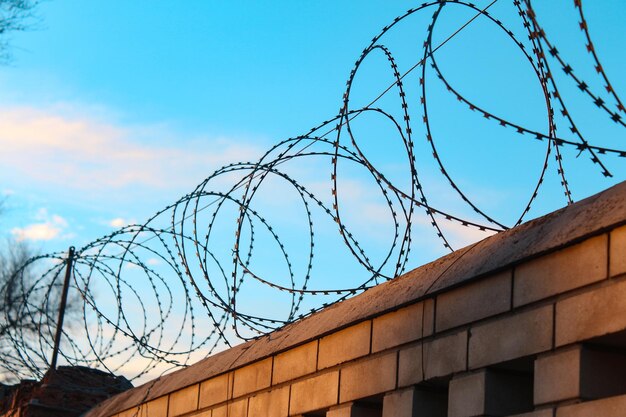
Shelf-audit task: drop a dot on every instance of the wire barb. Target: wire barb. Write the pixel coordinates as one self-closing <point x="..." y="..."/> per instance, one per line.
<point x="176" y="288"/>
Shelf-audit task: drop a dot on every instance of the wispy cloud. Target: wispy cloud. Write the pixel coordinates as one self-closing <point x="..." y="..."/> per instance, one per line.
<point x="118" y="222"/>
<point x="55" y="147"/>
<point x="47" y="227"/>
<point x="153" y="262"/>
<point x="460" y="236"/>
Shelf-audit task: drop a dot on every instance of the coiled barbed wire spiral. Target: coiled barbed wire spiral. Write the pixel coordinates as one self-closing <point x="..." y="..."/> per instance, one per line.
<point x="216" y="267"/>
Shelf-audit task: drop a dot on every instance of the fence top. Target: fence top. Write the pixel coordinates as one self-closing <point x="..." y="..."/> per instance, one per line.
<point x="588" y="217"/>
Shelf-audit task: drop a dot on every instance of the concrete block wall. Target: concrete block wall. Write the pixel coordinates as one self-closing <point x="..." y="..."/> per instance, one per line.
<point x="527" y="323"/>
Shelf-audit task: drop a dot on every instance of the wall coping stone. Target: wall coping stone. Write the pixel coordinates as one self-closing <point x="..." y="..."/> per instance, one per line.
<point x="569" y="225"/>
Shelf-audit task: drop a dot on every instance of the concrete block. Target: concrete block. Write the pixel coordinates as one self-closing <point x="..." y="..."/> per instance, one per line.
<point x="183" y="401"/>
<point x="617" y="252"/>
<point x="546" y="412"/>
<point x="221" y="411"/>
<point x="445" y="355"/>
<point x="238" y="408"/>
<point x="410" y="366"/>
<point x="368" y="377"/>
<point x="489" y="393"/>
<point x="314" y="393"/>
<point x="126" y="413"/>
<point x="603" y="373"/>
<point x="442" y="356"/>
<point x="254" y="377"/>
<point x="273" y="403"/>
<point x="353" y="410"/>
<point x="429" y="317"/>
<point x="557" y="376"/>
<point x="344" y="410"/>
<point x="399" y="403"/>
<point x="344" y="345"/>
<point x="593" y="313"/>
<point x="606" y="407"/>
<point x="509" y="392"/>
<point x="295" y="363"/>
<point x="466" y="395"/>
<point x="511" y="337"/>
<point x="133" y="412"/>
<point x="579" y="373"/>
<point x="154" y="408"/>
<point x="557" y="272"/>
<point x="413" y="402"/>
<point x="215" y="390"/>
<point x="401" y="326"/>
<point x="469" y="303"/>
<point x="205" y="413"/>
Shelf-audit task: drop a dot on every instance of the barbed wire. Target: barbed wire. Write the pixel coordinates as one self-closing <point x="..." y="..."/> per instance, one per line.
<point x="222" y="264"/>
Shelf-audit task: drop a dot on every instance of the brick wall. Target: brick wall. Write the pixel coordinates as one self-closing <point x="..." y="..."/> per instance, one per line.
<point x="528" y="323"/>
<point x="68" y="391"/>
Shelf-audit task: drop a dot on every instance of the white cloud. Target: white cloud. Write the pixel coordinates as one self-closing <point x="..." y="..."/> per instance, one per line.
<point x="461" y="236"/>
<point x="153" y="262"/>
<point x="48" y="227"/>
<point x="118" y="222"/>
<point x="59" y="148"/>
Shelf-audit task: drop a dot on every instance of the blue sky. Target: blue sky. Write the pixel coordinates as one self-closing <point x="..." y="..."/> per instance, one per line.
<point x="212" y="81"/>
<point x="225" y="78"/>
<point x="110" y="110"/>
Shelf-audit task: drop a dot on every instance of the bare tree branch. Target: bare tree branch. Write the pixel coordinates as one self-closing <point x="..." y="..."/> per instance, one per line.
<point x="15" y="16"/>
